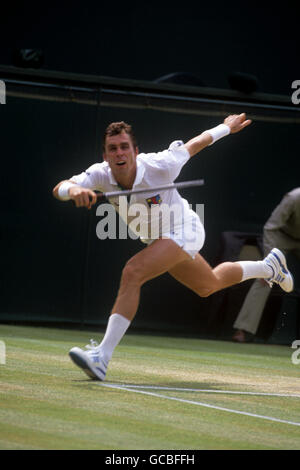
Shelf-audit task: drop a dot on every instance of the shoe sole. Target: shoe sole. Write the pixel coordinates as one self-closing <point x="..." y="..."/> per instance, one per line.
<point x="282" y="261"/>
<point x="77" y="356"/>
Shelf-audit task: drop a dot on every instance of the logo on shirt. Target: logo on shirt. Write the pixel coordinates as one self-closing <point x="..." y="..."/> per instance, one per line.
<point x="154" y="200"/>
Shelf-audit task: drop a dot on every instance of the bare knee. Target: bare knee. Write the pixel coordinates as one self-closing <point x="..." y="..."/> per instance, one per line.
<point x="214" y="284"/>
<point x="131" y="274"/>
<point x="207" y="290"/>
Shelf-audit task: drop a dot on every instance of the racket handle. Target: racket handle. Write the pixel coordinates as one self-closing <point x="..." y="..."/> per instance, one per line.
<point x="100" y="196"/>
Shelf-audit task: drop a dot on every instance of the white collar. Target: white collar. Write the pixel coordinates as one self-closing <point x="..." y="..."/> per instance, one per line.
<point x="140" y="170"/>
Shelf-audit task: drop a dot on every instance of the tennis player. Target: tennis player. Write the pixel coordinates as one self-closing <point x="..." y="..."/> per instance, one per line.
<point x="172" y="251"/>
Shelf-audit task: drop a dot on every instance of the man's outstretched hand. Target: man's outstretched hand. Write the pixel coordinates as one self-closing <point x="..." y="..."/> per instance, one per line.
<point x="237" y="122"/>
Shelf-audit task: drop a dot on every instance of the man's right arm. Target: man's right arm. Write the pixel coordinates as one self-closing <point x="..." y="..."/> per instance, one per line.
<point x="68" y="189"/>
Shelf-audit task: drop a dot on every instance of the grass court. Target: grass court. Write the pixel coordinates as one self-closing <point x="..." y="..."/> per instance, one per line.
<point x="160" y="393"/>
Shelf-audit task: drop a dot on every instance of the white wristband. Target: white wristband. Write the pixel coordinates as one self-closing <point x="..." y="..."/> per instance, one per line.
<point x="218" y="132"/>
<point x="63" y="190"/>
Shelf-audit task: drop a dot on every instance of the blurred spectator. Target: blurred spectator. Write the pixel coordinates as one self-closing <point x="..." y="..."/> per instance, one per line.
<point x="282" y="230"/>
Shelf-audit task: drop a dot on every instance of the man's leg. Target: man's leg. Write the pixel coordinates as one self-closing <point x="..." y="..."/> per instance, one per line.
<point x="155" y="259"/>
<point x="202" y="279"/>
<point x="163" y="255"/>
<point x="158" y="258"/>
<point x="149" y="263"/>
<point x="198" y="275"/>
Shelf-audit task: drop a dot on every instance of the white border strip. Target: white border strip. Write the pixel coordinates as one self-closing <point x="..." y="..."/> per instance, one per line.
<point x="220" y="408"/>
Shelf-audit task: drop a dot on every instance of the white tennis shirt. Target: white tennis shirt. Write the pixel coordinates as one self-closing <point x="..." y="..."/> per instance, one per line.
<point x="153" y="169"/>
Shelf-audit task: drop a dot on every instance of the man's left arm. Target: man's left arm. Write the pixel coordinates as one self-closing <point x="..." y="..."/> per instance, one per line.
<point x="231" y="125"/>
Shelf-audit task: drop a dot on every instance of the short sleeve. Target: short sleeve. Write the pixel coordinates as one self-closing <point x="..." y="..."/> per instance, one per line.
<point x="176" y="157"/>
<point x="91" y="178"/>
<point x="168" y="162"/>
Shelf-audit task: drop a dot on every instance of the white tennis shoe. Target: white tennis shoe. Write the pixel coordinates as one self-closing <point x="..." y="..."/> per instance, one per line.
<point x="90" y="361"/>
<point x="281" y="275"/>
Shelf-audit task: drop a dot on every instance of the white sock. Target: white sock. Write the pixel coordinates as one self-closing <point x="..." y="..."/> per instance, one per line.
<point x="255" y="269"/>
<point x="116" y="328"/>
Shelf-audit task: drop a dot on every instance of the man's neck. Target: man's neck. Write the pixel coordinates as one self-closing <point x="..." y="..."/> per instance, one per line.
<point x="126" y="181"/>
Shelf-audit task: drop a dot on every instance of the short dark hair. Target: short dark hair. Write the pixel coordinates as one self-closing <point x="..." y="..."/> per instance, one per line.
<point x="116" y="128"/>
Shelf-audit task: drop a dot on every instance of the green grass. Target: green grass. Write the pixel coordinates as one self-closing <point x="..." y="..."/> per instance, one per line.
<point x="46" y="402"/>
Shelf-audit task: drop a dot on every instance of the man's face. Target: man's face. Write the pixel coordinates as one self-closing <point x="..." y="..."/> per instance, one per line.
<point x="120" y="154"/>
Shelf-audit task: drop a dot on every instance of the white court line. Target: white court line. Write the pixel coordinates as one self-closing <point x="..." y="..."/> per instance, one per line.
<point x="197" y="403"/>
<point x="233" y="392"/>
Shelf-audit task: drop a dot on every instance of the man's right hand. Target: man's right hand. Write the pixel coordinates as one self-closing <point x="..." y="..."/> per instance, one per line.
<point x="82" y="197"/>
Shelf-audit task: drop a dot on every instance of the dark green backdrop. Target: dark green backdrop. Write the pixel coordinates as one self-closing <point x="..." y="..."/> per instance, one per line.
<point x="54" y="269"/>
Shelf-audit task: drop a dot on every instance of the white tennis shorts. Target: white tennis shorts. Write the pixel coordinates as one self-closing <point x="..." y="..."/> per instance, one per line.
<point x="190" y="236"/>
